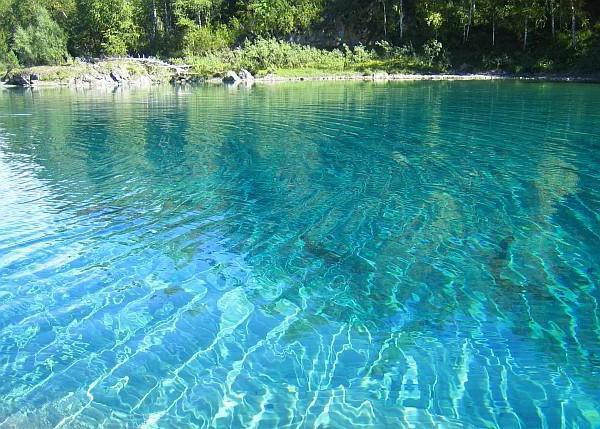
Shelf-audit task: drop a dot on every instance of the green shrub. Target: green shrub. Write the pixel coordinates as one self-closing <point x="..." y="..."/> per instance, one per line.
<point x="500" y="62"/>
<point x="543" y="65"/>
<point x="434" y="52"/>
<point x="215" y="63"/>
<point x="358" y="54"/>
<point x="386" y="50"/>
<point x="200" y="40"/>
<point x="268" y="55"/>
<point x="589" y="51"/>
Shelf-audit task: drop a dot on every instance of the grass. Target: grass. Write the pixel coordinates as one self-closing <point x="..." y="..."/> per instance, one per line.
<point x="58" y="73"/>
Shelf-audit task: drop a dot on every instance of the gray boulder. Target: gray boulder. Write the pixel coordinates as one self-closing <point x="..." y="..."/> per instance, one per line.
<point x="94" y="79"/>
<point x="246" y="76"/>
<point x="119" y="75"/>
<point x="143" y="80"/>
<point x="19" y="80"/>
<point x="380" y="76"/>
<point x="231" y="77"/>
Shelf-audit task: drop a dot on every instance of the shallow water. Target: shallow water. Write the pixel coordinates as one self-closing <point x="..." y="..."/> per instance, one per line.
<point x="305" y="255"/>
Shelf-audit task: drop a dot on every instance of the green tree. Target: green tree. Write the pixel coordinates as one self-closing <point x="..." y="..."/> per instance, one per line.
<point x="195" y="12"/>
<point x="435" y="21"/>
<point x="488" y="31"/>
<point x="532" y="14"/>
<point x="41" y="42"/>
<point x="494" y="12"/>
<point x="106" y="27"/>
<point x="280" y="17"/>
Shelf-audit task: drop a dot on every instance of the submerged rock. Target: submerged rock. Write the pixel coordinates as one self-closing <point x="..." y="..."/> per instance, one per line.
<point x="231" y="77"/>
<point x="400" y="158"/>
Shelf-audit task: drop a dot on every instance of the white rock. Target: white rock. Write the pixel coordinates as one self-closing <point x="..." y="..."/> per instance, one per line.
<point x="231" y="77"/>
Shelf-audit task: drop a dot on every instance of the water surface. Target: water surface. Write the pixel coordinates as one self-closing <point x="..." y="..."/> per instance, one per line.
<point x="305" y="255"/>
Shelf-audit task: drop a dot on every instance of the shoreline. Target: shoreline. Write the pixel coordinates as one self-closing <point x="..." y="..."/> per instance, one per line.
<point x="395" y="77"/>
<point x="136" y="73"/>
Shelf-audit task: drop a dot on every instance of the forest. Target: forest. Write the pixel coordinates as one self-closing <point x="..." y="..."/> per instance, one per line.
<point x="507" y="35"/>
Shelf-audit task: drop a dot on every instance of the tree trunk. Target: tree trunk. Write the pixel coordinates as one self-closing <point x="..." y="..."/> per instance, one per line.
<point x="154" y="20"/>
<point x="494" y="31"/>
<point x="552" y="15"/>
<point x="573" y="25"/>
<point x="560" y="15"/>
<point x="526" y="32"/>
<point x="471" y="10"/>
<point x="384" y="20"/>
<point x="401" y="19"/>
<point x="167" y="17"/>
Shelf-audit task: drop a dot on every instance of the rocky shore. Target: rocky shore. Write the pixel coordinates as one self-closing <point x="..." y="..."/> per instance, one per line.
<point x="141" y="72"/>
<point x="396" y="77"/>
<point x="97" y="73"/>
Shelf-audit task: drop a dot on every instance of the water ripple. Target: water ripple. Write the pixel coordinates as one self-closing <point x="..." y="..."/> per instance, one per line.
<point x="311" y="255"/>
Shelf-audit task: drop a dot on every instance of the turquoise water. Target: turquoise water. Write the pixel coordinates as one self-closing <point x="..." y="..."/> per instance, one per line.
<point x="307" y="255"/>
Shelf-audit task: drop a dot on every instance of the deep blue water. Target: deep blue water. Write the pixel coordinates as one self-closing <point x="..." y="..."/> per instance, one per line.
<point x="301" y="256"/>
